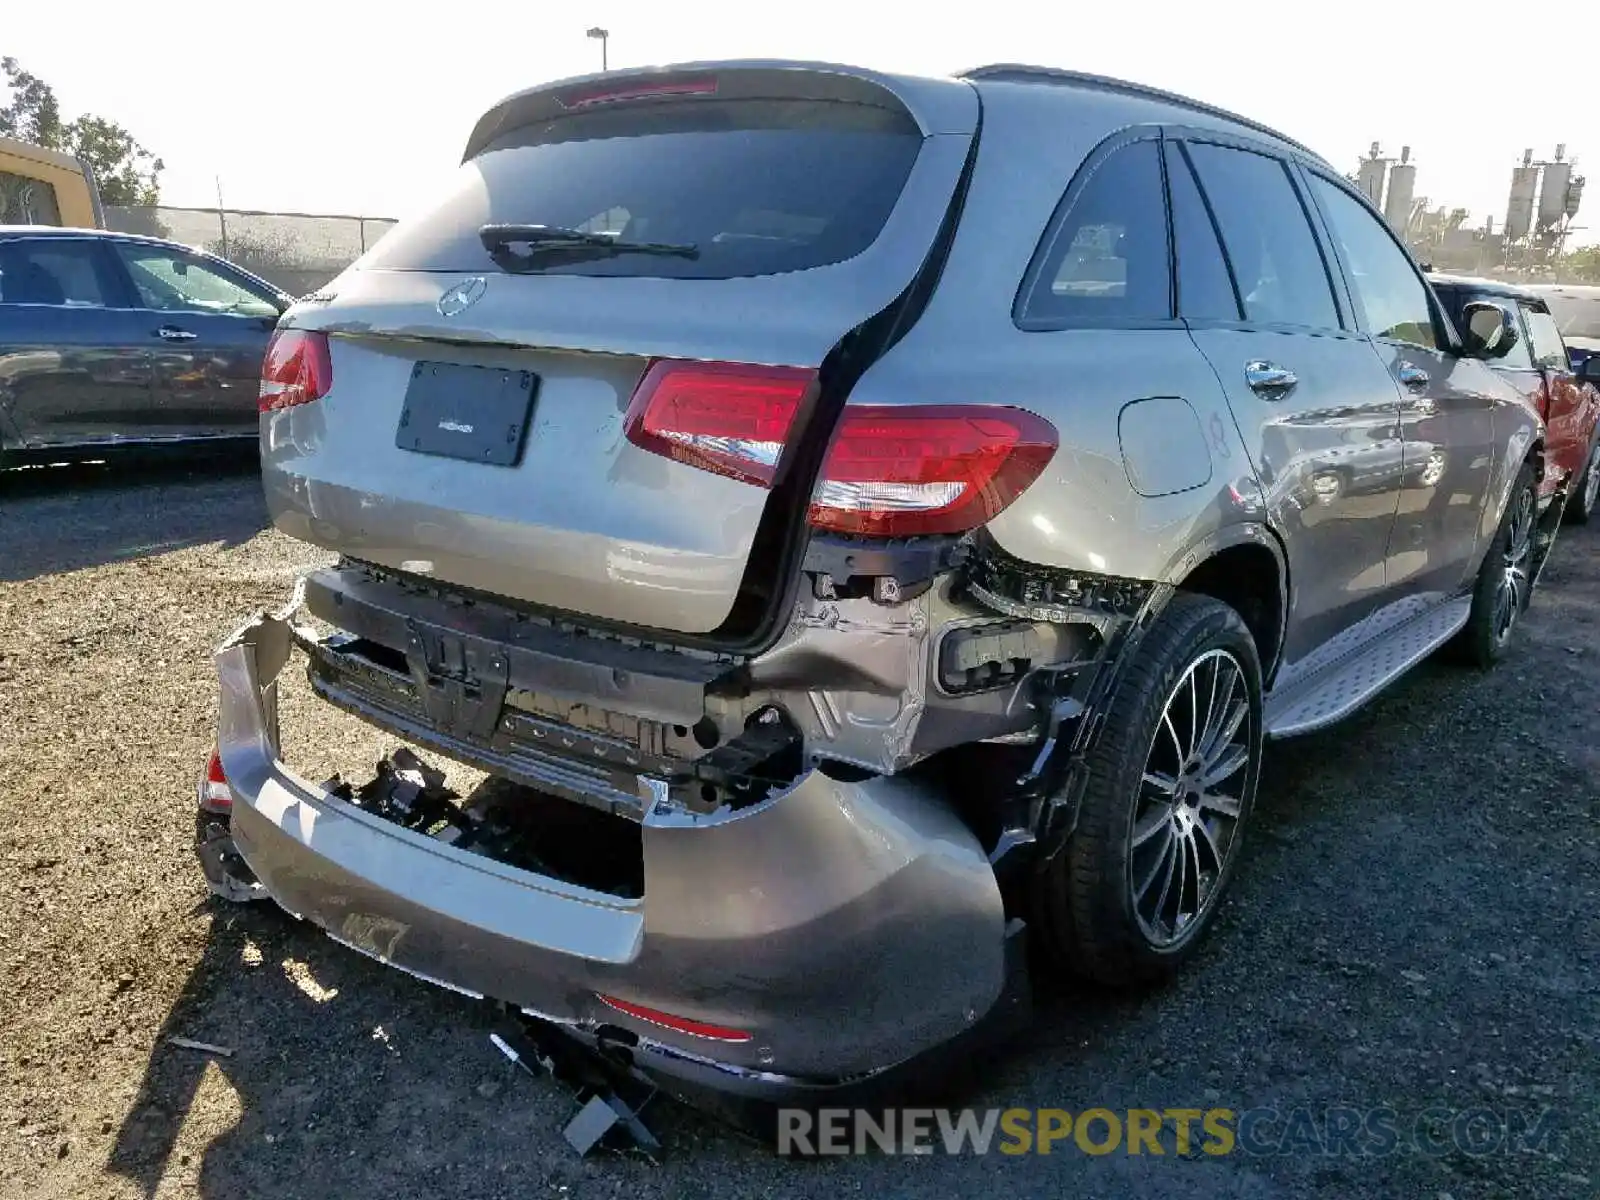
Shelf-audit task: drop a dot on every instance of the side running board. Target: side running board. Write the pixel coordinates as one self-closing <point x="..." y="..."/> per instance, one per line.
<point x="1345" y="684"/>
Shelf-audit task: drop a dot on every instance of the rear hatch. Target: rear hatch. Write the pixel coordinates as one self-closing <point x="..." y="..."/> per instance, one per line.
<point x="471" y="420"/>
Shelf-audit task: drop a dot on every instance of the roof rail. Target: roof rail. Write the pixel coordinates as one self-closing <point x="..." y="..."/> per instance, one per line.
<point x="1022" y="73"/>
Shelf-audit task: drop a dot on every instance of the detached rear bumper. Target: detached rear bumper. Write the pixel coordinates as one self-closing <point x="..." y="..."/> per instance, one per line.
<point x="846" y="927"/>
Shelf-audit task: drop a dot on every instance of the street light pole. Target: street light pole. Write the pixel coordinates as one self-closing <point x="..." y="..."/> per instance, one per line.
<point x="600" y="35"/>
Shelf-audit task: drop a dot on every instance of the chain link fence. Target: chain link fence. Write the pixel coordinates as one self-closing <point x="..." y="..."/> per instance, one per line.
<point x="299" y="252"/>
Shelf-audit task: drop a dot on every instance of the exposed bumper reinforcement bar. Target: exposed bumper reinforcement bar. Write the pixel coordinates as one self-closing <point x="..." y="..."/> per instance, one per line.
<point x="845" y="926"/>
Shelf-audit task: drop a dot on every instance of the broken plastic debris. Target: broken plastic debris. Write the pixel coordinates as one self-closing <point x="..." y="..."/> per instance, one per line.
<point x="205" y="1047"/>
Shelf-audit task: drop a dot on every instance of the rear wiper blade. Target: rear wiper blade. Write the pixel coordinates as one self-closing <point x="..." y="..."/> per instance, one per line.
<point x="499" y="239"/>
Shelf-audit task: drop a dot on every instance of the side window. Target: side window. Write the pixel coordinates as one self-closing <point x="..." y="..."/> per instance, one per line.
<point x="171" y="282"/>
<point x="1544" y="339"/>
<point x="1387" y="287"/>
<point x="1276" y="263"/>
<point x="67" y="272"/>
<point x="1107" y="260"/>
<point x="1205" y="291"/>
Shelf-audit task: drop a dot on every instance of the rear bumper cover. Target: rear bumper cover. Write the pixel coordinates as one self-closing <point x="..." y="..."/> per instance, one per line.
<point x="846" y="926"/>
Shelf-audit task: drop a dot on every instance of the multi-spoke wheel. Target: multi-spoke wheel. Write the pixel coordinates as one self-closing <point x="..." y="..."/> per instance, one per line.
<point x="1190" y="797"/>
<point x="1171" y="783"/>
<point x="1505" y="581"/>
<point x="1586" y="489"/>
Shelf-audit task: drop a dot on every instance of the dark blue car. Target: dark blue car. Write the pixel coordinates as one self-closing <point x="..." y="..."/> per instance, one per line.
<point x="109" y="340"/>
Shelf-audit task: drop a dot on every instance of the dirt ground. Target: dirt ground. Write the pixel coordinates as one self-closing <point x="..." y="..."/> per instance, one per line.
<point x="1416" y="926"/>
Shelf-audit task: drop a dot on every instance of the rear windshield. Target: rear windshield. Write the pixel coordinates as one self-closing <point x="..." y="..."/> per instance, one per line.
<point x="756" y="186"/>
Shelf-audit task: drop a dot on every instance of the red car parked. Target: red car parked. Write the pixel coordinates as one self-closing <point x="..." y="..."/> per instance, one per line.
<point x="1539" y="367"/>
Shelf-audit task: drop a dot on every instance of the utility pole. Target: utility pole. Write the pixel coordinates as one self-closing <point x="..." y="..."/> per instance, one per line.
<point x="602" y="36"/>
<point x="222" y="218"/>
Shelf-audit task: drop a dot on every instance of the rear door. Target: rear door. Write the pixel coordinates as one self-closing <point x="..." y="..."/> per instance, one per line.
<point x="795" y="203"/>
<point x="1314" y="403"/>
<point x="1448" y="402"/>
<point x="74" y="361"/>
<point x="208" y="329"/>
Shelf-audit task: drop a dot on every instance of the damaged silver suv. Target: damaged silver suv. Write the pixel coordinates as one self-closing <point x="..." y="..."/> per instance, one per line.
<point x="859" y="524"/>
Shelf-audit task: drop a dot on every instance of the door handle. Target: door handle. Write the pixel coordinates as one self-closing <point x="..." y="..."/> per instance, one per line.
<point x="1414" y="378"/>
<point x="171" y="333"/>
<point x="1269" y="380"/>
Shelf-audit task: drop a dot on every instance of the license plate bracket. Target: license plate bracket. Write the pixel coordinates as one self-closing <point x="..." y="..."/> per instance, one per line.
<point x="477" y="414"/>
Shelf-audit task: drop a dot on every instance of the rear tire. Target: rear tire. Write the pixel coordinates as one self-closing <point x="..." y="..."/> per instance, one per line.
<point x="1171" y="783"/>
<point x="1586" y="489"/>
<point x="1505" y="580"/>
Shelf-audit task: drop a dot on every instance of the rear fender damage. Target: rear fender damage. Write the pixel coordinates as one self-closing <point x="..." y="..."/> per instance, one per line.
<point x="892" y="656"/>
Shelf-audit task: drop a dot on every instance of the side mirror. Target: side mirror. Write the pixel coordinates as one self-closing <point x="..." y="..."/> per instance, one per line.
<point x="1589" y="370"/>
<point x="1491" y="331"/>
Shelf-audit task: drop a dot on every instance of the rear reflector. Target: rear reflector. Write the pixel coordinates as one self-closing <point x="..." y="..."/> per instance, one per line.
<point x="296" y="370"/>
<point x="215" y="794"/>
<point x="699" y="1029"/>
<point x="729" y="418"/>
<point x="902" y="471"/>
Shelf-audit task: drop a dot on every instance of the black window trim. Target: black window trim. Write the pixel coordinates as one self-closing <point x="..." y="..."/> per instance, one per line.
<point x="1053" y="227"/>
<point x="1343" y="312"/>
<point x="107" y="267"/>
<point x="1176" y="146"/>
<point x="1444" y="330"/>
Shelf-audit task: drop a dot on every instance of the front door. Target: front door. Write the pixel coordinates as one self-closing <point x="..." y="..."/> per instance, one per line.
<point x="1448" y="403"/>
<point x="208" y="330"/>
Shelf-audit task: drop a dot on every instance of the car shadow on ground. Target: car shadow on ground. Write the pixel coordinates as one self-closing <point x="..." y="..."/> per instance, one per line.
<point x="102" y="512"/>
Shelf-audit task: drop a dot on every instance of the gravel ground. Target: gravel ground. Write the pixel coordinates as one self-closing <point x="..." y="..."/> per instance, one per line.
<point x="1414" y="926"/>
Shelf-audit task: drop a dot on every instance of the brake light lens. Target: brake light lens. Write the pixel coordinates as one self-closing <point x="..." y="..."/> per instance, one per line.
<point x="215" y="794"/>
<point x="729" y="418"/>
<point x="296" y="370"/>
<point x="903" y="471"/>
<point x="654" y="1016"/>
<point x="638" y="91"/>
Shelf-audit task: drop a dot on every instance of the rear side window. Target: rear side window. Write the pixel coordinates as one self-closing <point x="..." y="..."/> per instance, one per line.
<point x="66" y="272"/>
<point x="1386" y="286"/>
<point x="1544" y="338"/>
<point x="1281" y="276"/>
<point x="1107" y="259"/>
<point x="758" y="187"/>
<point x="1205" y="292"/>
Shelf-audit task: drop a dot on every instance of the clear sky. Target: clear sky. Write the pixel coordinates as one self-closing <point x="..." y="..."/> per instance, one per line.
<point x="345" y="106"/>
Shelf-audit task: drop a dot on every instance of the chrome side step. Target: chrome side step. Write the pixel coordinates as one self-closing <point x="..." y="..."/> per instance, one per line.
<point x="1347" y="683"/>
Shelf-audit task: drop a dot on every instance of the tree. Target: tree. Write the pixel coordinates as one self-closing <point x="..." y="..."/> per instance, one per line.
<point x="1581" y="266"/>
<point x="125" y="171"/>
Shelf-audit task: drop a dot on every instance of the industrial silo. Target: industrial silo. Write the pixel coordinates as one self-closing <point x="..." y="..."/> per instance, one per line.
<point x="1519" y="209"/>
<point x="1553" y="195"/>
<point x="1402" y="191"/>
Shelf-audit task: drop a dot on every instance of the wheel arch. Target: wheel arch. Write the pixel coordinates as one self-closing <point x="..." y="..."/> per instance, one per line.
<point x="1244" y="566"/>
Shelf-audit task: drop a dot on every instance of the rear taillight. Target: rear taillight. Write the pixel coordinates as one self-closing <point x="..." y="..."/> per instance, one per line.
<point x="901" y="471"/>
<point x="296" y="370"/>
<point x="215" y="794"/>
<point x="730" y="418"/>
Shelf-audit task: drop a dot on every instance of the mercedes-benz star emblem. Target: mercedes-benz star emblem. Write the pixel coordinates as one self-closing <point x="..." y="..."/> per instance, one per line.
<point x="463" y="296"/>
